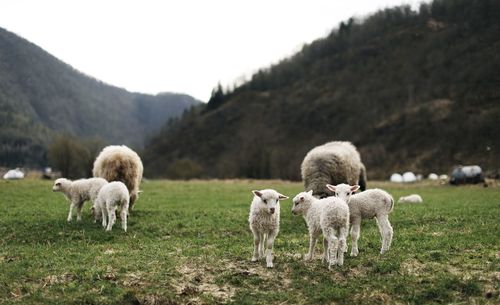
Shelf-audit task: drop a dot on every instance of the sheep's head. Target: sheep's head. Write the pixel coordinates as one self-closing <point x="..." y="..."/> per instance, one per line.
<point x="302" y="202"/>
<point x="343" y="191"/>
<point x="269" y="200"/>
<point x="60" y="184"/>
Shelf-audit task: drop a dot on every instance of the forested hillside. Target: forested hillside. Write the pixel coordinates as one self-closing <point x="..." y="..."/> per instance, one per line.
<point x="41" y="97"/>
<point x="413" y="90"/>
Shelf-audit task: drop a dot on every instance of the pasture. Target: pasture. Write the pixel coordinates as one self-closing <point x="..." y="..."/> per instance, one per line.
<point x="189" y="243"/>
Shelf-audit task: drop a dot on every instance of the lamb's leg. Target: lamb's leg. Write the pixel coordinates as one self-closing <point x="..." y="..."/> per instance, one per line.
<point x="70" y="214"/>
<point x="333" y="245"/>
<point x="123" y="216"/>
<point x="355" y="228"/>
<point x="312" y="243"/>
<point x="111" y="218"/>
<point x="386" y="232"/>
<point x="104" y="215"/>
<point x="256" y="244"/>
<point x="342" y="247"/>
<point x="269" y="248"/>
<point x="326" y="253"/>
<point x="262" y="245"/>
<point x="79" y="211"/>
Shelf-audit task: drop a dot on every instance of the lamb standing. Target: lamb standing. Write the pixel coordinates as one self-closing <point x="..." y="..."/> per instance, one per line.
<point x="264" y="222"/>
<point x="368" y="204"/>
<point x="112" y="196"/>
<point x="328" y="215"/>
<point x="120" y="163"/>
<point x="78" y="191"/>
<point x="332" y="163"/>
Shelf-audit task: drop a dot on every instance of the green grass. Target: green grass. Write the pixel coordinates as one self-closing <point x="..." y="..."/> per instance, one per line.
<point x="189" y="242"/>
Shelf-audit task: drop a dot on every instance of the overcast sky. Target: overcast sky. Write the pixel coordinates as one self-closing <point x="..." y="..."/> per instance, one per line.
<point x="185" y="46"/>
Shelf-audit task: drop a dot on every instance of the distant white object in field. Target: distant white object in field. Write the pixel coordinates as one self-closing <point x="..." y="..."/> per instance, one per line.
<point x="413" y="198"/>
<point x="443" y="178"/>
<point x="409" y="177"/>
<point x="420" y="177"/>
<point x="264" y="220"/>
<point x="14" y="174"/>
<point x="433" y="176"/>
<point x="397" y="178"/>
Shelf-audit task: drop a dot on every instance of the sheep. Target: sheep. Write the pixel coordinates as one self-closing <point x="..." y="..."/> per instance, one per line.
<point x="120" y="163"/>
<point x="413" y="198"/>
<point x="368" y="204"/>
<point x="78" y="191"/>
<point x="112" y="196"/>
<point x="328" y="215"/>
<point x="332" y="163"/>
<point x="264" y="220"/>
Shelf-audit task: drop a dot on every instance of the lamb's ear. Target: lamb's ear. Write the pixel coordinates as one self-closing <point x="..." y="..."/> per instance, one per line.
<point x="331" y="187"/>
<point x="354" y="188"/>
<point x="282" y="197"/>
<point x="310" y="192"/>
<point x="257" y="193"/>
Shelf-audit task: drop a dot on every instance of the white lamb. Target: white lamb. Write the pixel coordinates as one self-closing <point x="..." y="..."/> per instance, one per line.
<point x="368" y="204"/>
<point x="112" y="196"/>
<point x="328" y="215"/>
<point x="413" y="198"/>
<point x="264" y="222"/>
<point x="78" y="191"/>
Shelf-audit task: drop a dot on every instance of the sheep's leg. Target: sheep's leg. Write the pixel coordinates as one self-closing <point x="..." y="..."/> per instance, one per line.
<point x="79" y="211"/>
<point x="386" y="232"/>
<point x="329" y="234"/>
<point x="342" y="247"/>
<point x="70" y="214"/>
<point x="355" y="228"/>
<point x="111" y="218"/>
<point x="262" y="245"/>
<point x="269" y="251"/>
<point x="312" y="243"/>
<point x="104" y="215"/>
<point x="326" y="253"/>
<point x="123" y="216"/>
<point x="256" y="245"/>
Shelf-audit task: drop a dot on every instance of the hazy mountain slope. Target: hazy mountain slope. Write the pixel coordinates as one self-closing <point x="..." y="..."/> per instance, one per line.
<point x="41" y="96"/>
<point x="413" y="90"/>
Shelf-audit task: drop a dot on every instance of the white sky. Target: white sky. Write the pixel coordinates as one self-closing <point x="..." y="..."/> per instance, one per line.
<point x="185" y="46"/>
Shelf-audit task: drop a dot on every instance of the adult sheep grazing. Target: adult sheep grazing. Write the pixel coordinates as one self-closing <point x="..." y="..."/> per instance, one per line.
<point x="332" y="163"/>
<point x="120" y="163"/>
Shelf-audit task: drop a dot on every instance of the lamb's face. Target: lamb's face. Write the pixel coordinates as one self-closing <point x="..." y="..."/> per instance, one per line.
<point x="301" y="202"/>
<point x="269" y="200"/>
<point x="58" y="185"/>
<point x="343" y="191"/>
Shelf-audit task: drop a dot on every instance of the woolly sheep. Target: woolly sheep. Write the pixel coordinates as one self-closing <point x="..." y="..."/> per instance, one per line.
<point x="264" y="220"/>
<point x="368" y="204"/>
<point x="413" y="198"/>
<point x="78" y="191"/>
<point x="120" y="163"/>
<point x="328" y="215"/>
<point x="332" y="163"/>
<point x="112" y="196"/>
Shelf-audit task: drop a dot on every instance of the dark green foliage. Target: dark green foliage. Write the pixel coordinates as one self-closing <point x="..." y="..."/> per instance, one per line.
<point x="41" y="97"/>
<point x="412" y="90"/>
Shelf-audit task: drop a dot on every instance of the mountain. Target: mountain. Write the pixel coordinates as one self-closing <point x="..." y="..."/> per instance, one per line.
<point x="40" y="97"/>
<point x="413" y="90"/>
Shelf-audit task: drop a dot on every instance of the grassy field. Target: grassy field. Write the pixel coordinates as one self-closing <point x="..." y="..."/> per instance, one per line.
<point x="189" y="243"/>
